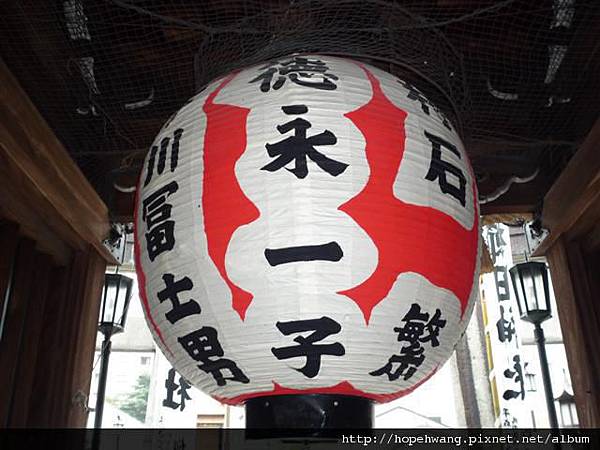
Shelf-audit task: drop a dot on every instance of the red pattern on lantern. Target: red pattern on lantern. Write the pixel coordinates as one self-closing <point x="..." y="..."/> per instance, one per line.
<point x="409" y="238"/>
<point x="225" y="206"/>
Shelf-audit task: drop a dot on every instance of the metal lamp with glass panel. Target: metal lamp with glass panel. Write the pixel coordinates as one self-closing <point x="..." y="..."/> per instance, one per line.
<point x="113" y="313"/>
<point x="530" y="283"/>
<point x="115" y="303"/>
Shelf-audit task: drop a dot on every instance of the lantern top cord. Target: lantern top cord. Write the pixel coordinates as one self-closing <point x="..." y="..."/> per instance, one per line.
<point x="517" y="78"/>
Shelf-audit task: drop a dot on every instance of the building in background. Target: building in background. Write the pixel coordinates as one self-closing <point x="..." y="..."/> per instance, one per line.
<point x="514" y="366"/>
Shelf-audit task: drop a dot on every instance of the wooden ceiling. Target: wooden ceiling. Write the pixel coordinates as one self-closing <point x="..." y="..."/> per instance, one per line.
<point x="149" y="57"/>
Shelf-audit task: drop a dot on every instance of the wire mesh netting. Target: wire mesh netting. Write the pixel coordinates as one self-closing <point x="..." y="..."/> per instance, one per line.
<point x="519" y="78"/>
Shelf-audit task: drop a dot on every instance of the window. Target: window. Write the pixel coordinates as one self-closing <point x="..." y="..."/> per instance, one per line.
<point x="530" y="382"/>
<point x="210" y="421"/>
<point x="568" y="412"/>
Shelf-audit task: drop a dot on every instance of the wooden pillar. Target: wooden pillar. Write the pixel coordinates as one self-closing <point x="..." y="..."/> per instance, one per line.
<point x="575" y="279"/>
<point x="29" y="343"/>
<point x="15" y="316"/>
<point x="52" y="263"/>
<point x="47" y="347"/>
<point x="572" y="214"/>
<point x="8" y="244"/>
<point x="82" y="342"/>
<point x="47" y="383"/>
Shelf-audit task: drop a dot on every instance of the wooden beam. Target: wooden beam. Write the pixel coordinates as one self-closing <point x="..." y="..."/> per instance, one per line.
<point x="520" y="197"/>
<point x="574" y="193"/>
<point x="30" y="209"/>
<point x="41" y="164"/>
<point x="587" y="227"/>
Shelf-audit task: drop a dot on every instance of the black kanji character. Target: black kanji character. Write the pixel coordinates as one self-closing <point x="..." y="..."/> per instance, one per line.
<point x="433" y="328"/>
<point x="171" y="292"/>
<point x="506" y="328"/>
<point x="297" y="147"/>
<point x="501" y="278"/>
<point x="496" y="242"/>
<point x="426" y="105"/>
<point x="324" y="252"/>
<point x="160" y="239"/>
<point x="321" y="328"/>
<point x="154" y="207"/>
<point x="181" y="389"/>
<point x="418" y="329"/>
<point x="216" y="368"/>
<point x="410" y="358"/>
<point x="300" y="70"/>
<point x="509" y="420"/>
<point x="416" y="94"/>
<point x="162" y="156"/>
<point x="439" y="169"/>
<point x="416" y="323"/>
<point x="517" y="374"/>
<point x="202" y="345"/>
<point x="156" y="213"/>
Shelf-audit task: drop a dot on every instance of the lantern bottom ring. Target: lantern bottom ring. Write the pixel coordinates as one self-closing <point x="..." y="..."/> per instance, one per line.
<point x="306" y="415"/>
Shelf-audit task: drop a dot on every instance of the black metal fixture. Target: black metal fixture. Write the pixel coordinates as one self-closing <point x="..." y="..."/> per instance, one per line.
<point x="113" y="313"/>
<point x="530" y="283"/>
<point x="307" y="416"/>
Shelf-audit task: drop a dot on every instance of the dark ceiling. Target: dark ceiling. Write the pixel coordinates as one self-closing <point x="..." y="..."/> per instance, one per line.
<point x="519" y="78"/>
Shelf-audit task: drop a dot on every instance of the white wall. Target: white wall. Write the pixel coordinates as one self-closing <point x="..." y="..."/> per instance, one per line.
<point x="435" y="404"/>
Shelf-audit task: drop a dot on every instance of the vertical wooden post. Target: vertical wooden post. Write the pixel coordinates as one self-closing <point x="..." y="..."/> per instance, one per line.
<point x="32" y="328"/>
<point x="8" y="243"/>
<point x="579" y="313"/>
<point x="77" y="338"/>
<point x="85" y="340"/>
<point x="13" y="333"/>
<point x="48" y="372"/>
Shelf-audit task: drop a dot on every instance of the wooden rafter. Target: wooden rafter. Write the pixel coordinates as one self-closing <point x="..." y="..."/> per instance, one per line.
<point x="41" y="186"/>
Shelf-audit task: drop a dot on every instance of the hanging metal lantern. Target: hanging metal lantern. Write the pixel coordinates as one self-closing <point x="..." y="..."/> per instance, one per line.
<point x="530" y="283"/>
<point x="309" y="225"/>
<point x="115" y="303"/>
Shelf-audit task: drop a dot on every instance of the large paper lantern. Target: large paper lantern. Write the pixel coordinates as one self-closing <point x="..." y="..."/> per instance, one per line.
<point x="308" y="225"/>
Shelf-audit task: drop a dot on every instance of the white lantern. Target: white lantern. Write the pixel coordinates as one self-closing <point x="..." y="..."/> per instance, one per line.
<point x="309" y="225"/>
